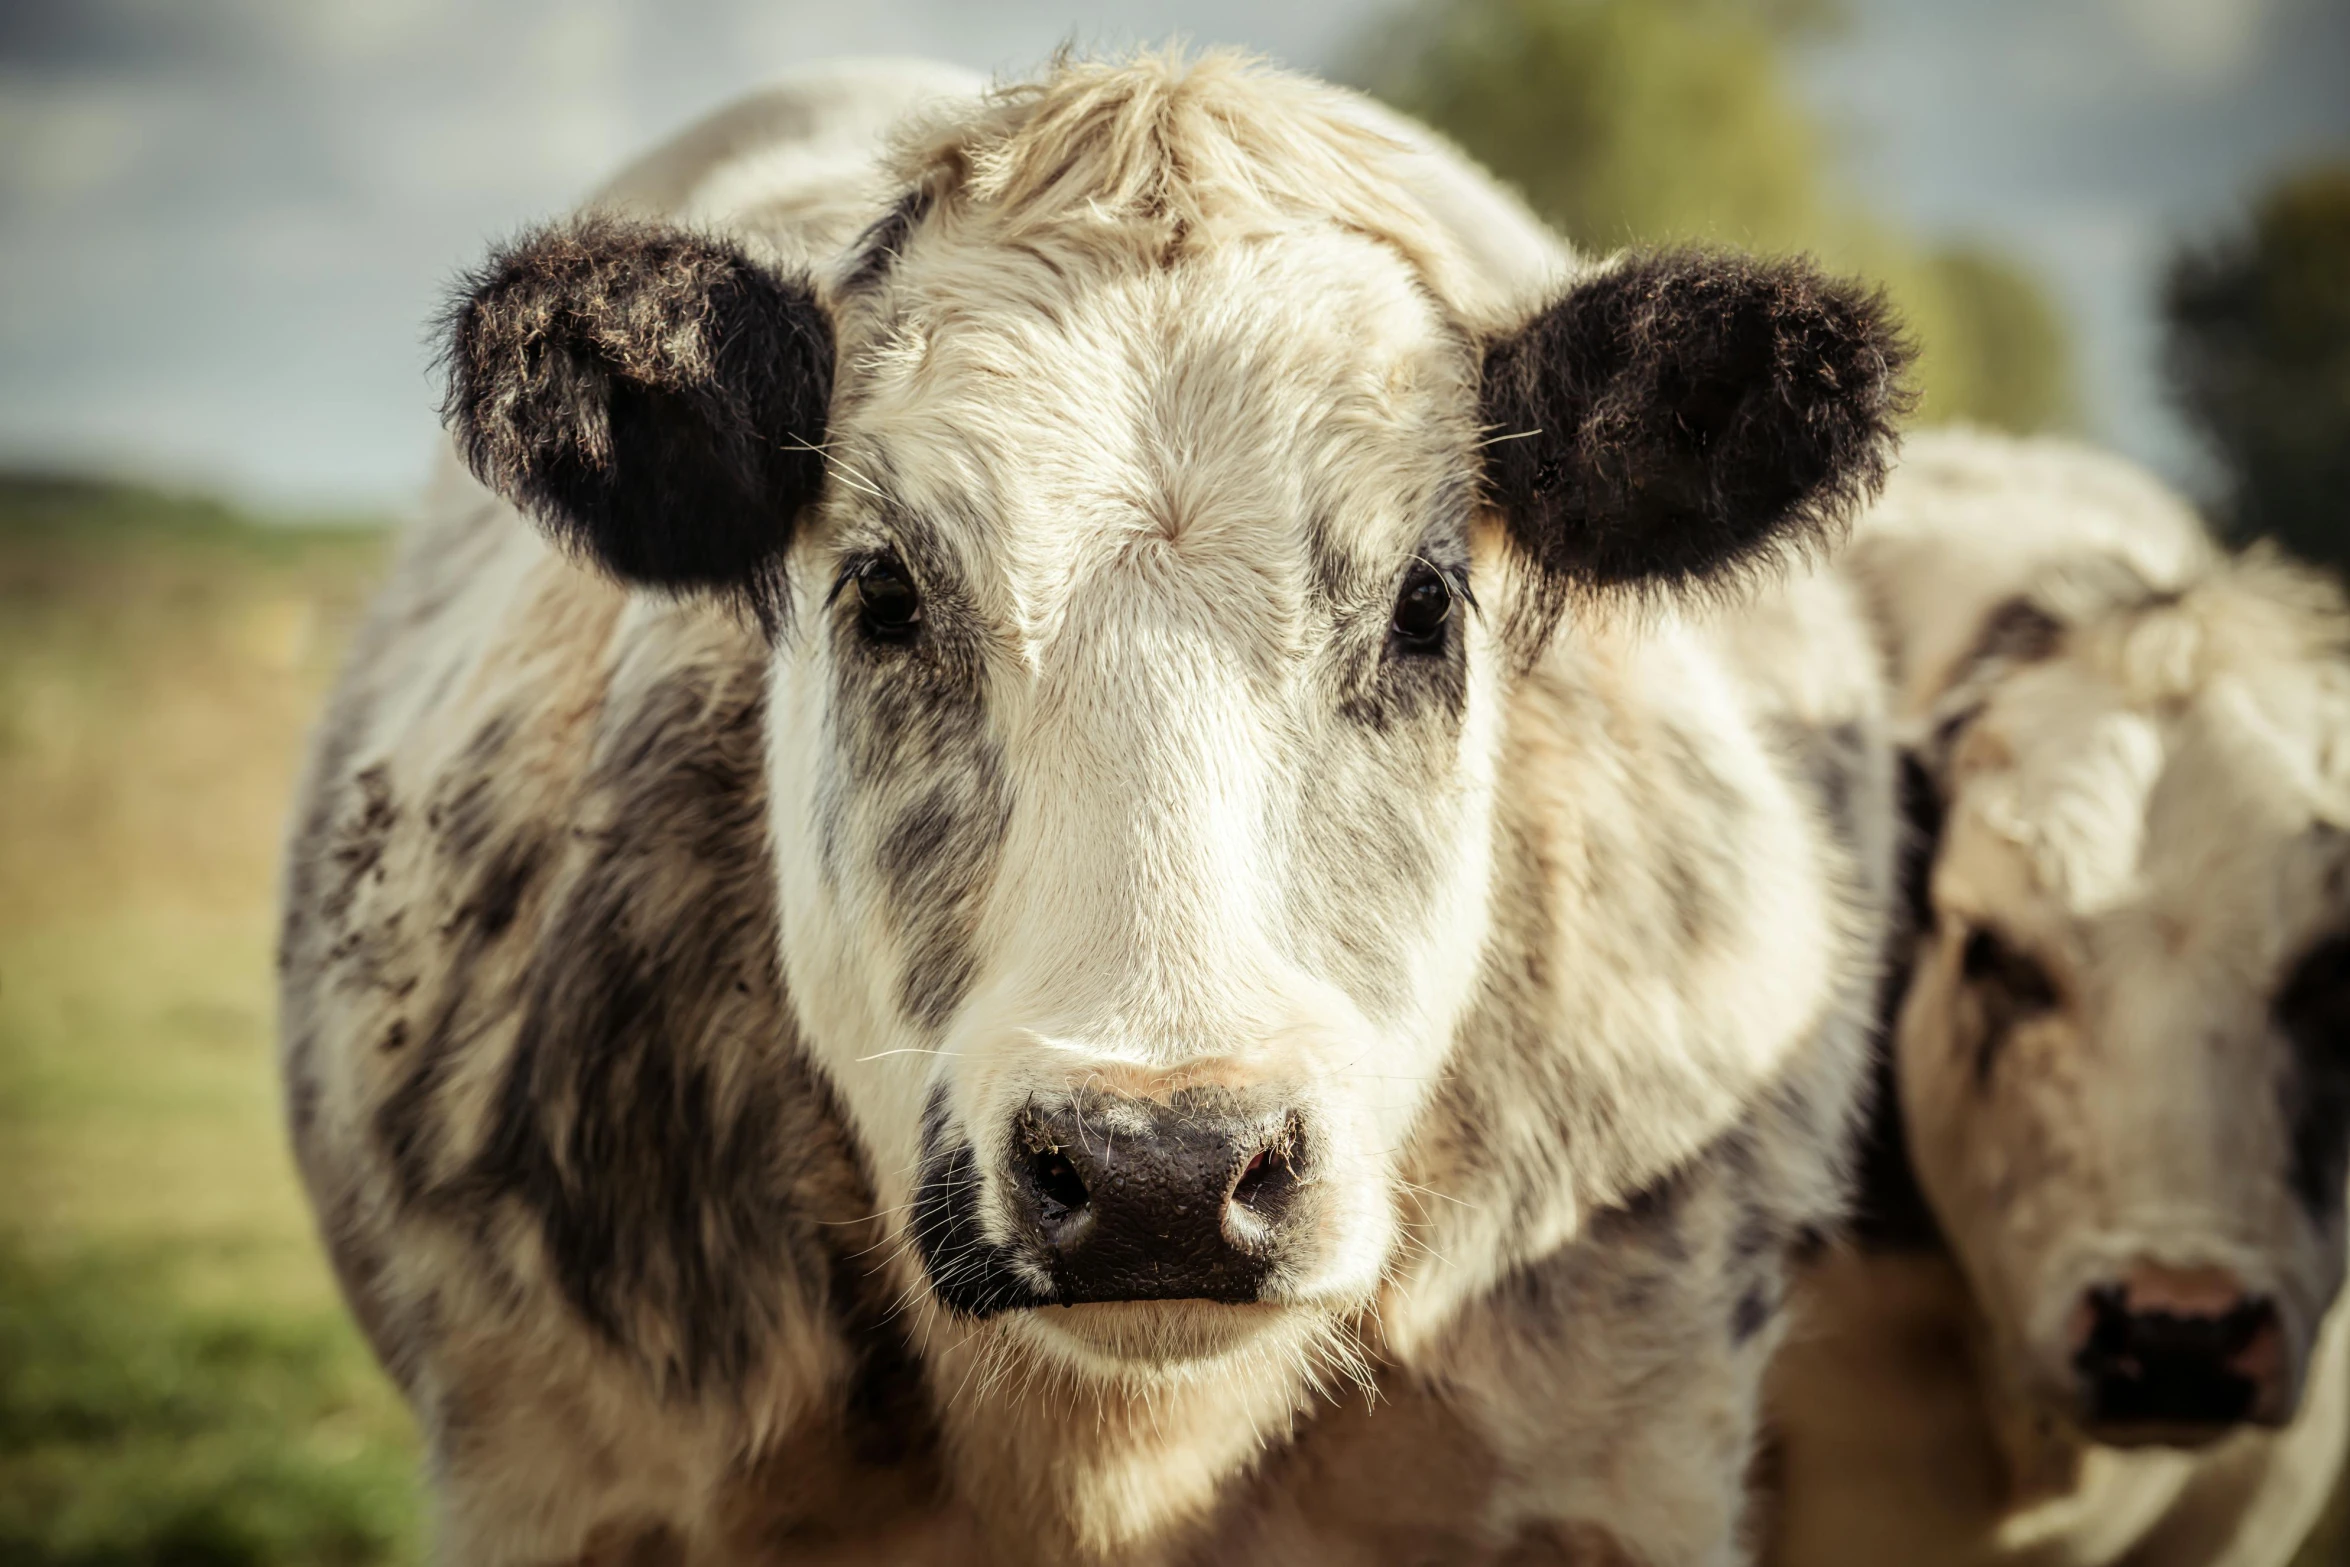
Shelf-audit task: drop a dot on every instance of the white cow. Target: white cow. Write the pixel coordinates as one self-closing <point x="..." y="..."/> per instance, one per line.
<point x="1123" y="805"/>
<point x="2111" y="1329"/>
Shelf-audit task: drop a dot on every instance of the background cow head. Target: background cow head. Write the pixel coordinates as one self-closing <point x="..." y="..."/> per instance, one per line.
<point x="1151" y="514"/>
<point x="2125" y="1053"/>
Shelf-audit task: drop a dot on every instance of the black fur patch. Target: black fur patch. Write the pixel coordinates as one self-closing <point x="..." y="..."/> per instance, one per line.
<point x="938" y="858"/>
<point x="1921" y="844"/>
<point x="1680" y="415"/>
<point x="663" y="1184"/>
<point x="877" y="249"/>
<point x="1889" y="1209"/>
<point x="969" y="1274"/>
<point x="653" y="398"/>
<point x="2313" y="1009"/>
<point x="684" y="1167"/>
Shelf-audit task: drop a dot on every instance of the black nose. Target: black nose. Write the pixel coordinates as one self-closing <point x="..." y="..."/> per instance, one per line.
<point x="1130" y="1199"/>
<point x="2185" y="1368"/>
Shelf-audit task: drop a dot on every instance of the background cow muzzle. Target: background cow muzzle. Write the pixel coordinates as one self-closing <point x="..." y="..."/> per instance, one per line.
<point x="1203" y="1196"/>
<point x="2178" y="1357"/>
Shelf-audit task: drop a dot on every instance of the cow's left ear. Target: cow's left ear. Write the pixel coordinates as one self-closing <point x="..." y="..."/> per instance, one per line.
<point x="1678" y="415"/>
<point x="655" y="399"/>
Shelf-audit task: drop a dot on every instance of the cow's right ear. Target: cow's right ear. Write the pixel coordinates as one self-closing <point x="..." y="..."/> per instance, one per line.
<point x="655" y="399"/>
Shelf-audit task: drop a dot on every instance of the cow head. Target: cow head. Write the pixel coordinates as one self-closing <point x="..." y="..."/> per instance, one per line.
<point x="2125" y="1054"/>
<point x="1150" y="527"/>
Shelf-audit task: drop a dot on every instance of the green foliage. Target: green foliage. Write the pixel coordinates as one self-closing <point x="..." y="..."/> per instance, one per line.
<point x="2260" y="352"/>
<point x="1673" y="121"/>
<point x="2001" y="356"/>
<point x="1621" y="121"/>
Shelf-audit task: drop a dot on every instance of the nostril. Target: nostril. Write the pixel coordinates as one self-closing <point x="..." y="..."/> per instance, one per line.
<point x="2246" y="1323"/>
<point x="1059" y="1189"/>
<point x="2155" y="1350"/>
<point x="1252" y="1179"/>
<point x="1264" y="1181"/>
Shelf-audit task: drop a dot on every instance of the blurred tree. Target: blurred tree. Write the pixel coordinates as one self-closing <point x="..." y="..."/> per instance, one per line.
<point x="1619" y="120"/>
<point x="2003" y="350"/>
<point x="2260" y="354"/>
<point x="1657" y="121"/>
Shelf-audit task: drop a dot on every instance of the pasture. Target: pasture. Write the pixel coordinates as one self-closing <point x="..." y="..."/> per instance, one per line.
<point x="178" y="1383"/>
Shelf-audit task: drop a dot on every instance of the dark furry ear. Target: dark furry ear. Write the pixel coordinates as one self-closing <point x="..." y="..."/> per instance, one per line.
<point x="1680" y="414"/>
<point x="653" y="398"/>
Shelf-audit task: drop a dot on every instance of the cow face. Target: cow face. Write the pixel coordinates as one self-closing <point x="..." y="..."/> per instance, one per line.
<point x="1149" y="543"/>
<point x="2125" y="1055"/>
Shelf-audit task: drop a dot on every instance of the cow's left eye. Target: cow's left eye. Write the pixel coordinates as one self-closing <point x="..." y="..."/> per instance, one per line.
<point x="889" y="609"/>
<point x="1421" y="610"/>
<point x="2018" y="977"/>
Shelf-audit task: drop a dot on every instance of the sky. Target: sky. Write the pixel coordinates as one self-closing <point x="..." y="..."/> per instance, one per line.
<point x="225" y="223"/>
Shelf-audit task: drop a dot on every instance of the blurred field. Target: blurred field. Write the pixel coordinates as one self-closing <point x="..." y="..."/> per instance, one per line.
<point x="178" y="1383"/>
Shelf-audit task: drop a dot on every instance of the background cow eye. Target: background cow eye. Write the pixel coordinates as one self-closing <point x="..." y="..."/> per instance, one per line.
<point x="888" y="607"/>
<point x="2315" y="1000"/>
<point x="1421" y="610"/>
<point x="2020" y="980"/>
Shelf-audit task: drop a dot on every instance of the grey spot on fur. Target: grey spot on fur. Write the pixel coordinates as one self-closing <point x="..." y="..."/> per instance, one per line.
<point x="1836" y="763"/>
<point x="916" y="758"/>
<point x="358" y="847"/>
<point x="1752" y="1314"/>
<point x="937" y="859"/>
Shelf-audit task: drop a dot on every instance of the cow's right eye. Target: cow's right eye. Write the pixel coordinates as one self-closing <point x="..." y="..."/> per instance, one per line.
<point x="2018" y="977"/>
<point x="888" y="608"/>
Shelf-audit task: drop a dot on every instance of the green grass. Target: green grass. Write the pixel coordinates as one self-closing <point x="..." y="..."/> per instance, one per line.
<point x="138" y="1427"/>
<point x="179" y="1385"/>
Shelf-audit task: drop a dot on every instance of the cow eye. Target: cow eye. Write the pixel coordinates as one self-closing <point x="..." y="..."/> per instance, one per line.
<point x="1422" y="609"/>
<point x="888" y="608"/>
<point x="2315" y="1000"/>
<point x="2020" y="980"/>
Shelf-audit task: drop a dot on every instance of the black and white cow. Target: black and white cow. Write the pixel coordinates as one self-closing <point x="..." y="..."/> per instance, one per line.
<point x="1150" y="811"/>
<point x="2095" y="1313"/>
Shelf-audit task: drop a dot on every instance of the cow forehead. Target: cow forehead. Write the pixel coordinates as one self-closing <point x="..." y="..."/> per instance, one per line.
<point x="2075" y="804"/>
<point x="2053" y="780"/>
<point x="1292" y="402"/>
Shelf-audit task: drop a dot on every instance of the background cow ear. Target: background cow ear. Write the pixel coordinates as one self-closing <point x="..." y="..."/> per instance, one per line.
<point x="1681" y="414"/>
<point x="655" y="399"/>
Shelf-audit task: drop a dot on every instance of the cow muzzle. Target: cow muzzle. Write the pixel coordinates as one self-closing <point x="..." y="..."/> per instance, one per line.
<point x="1208" y="1195"/>
<point x="1159" y="1202"/>
<point x="2178" y="1357"/>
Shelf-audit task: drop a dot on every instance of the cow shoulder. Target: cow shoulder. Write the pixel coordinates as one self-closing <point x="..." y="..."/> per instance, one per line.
<point x="543" y="1075"/>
